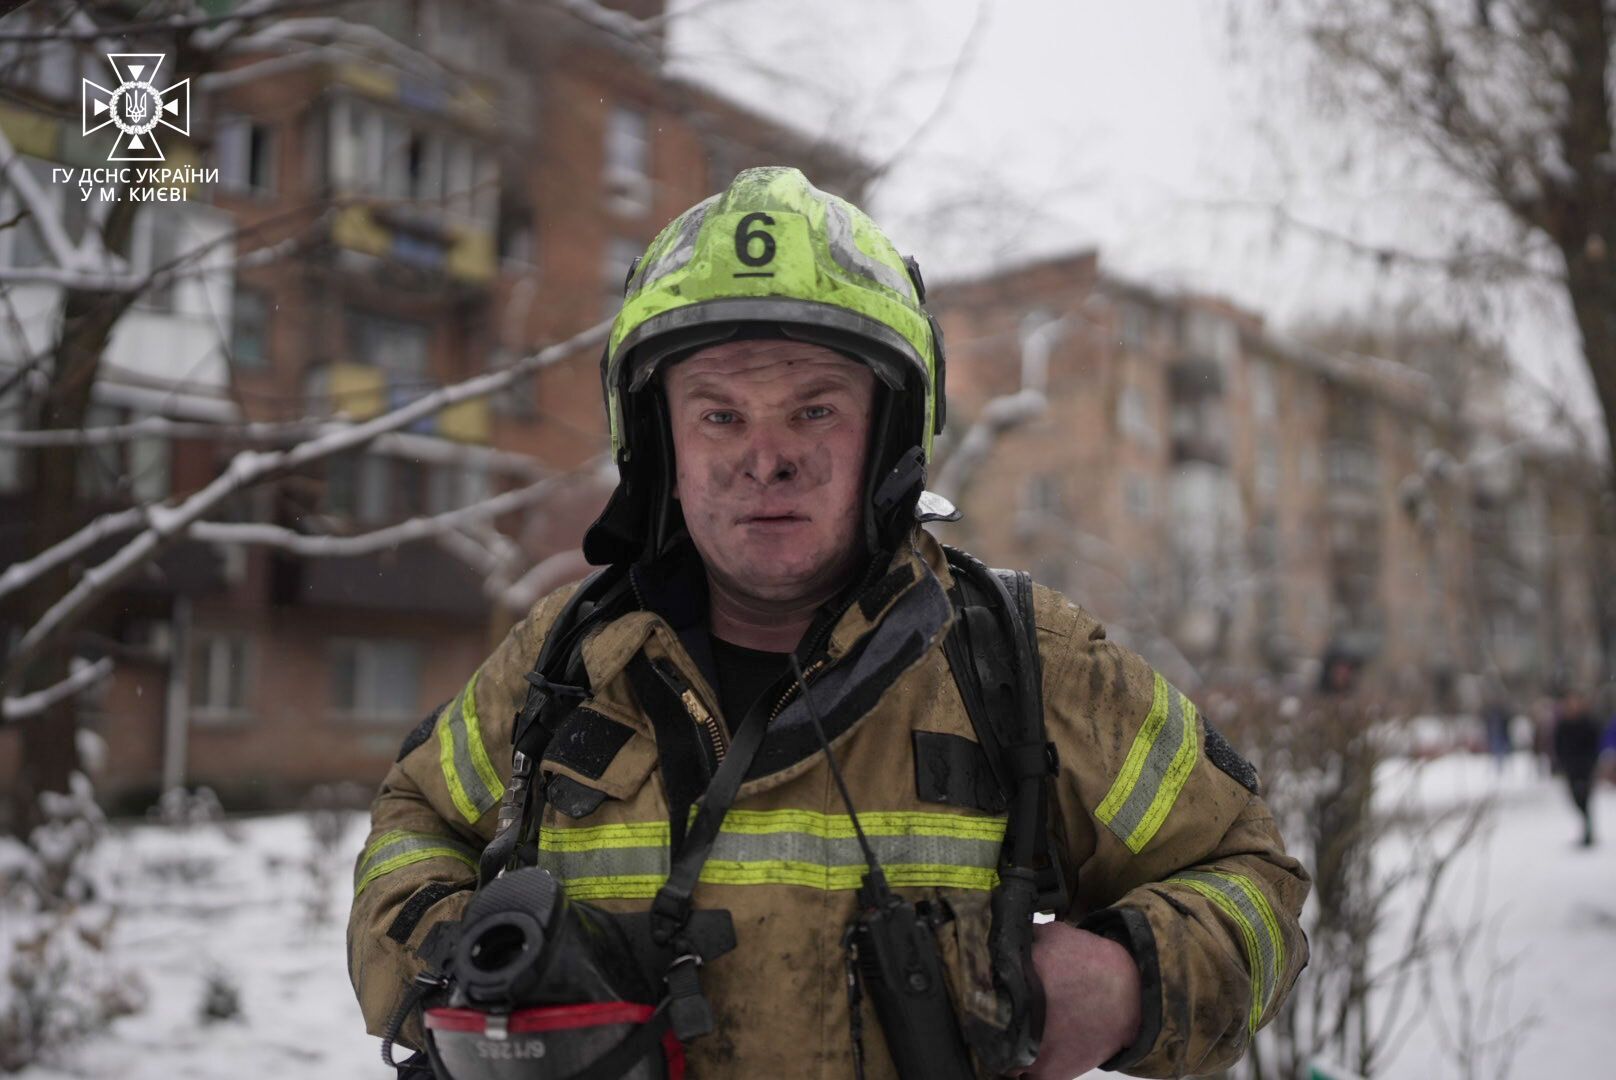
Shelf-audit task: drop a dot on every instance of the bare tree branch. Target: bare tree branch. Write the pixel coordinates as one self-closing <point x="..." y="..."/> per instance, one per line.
<point x="167" y="524"/>
<point x="84" y="677"/>
<point x="416" y="528"/>
<point x="997" y="416"/>
<point x="166" y="24"/>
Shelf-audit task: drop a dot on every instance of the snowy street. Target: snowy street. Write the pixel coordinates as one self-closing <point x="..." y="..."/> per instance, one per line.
<point x="198" y="904"/>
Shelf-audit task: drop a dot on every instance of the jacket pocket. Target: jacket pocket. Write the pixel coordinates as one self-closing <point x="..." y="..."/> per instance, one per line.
<point x="592" y="758"/>
<point x="954" y="771"/>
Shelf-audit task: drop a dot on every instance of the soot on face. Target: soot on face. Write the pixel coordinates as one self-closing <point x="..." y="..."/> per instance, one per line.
<point x="814" y="469"/>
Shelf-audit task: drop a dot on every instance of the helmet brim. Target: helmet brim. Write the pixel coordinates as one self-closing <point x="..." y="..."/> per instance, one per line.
<point x="675" y="334"/>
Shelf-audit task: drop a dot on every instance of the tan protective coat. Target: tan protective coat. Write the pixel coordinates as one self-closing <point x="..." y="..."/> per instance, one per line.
<point x="1151" y="824"/>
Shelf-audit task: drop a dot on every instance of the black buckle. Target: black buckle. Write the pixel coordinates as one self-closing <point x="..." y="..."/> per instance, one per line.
<point x="670" y="911"/>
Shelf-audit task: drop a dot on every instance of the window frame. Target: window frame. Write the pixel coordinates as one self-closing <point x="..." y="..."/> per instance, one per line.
<point x="213" y="711"/>
<point x="365" y="709"/>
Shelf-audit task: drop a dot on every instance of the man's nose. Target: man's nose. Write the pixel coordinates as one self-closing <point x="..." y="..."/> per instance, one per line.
<point x="771" y="465"/>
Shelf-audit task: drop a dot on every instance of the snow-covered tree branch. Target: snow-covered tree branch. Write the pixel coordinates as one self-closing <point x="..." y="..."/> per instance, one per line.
<point x="165" y="525"/>
<point x="85" y="675"/>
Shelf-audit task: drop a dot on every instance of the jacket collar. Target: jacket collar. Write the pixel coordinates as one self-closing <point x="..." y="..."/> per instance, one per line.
<point x="672" y="598"/>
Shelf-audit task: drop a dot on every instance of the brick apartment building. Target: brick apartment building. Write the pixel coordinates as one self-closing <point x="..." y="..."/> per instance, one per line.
<point x="1234" y="503"/>
<point x="1231" y="502"/>
<point x="434" y="212"/>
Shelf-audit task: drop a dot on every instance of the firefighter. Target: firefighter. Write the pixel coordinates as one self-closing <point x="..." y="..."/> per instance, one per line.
<point x="773" y="383"/>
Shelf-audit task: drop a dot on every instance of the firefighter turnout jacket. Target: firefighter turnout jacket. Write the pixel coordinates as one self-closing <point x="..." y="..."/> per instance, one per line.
<point x="1166" y="844"/>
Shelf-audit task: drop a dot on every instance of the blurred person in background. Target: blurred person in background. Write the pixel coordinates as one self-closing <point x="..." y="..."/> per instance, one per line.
<point x="1577" y="736"/>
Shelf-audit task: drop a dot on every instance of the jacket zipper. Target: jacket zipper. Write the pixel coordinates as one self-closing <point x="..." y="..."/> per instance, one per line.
<point x="791" y="690"/>
<point x="717" y="741"/>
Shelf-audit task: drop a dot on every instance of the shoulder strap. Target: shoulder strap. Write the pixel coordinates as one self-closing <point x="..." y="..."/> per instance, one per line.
<point x="993" y="653"/>
<point x="556" y="680"/>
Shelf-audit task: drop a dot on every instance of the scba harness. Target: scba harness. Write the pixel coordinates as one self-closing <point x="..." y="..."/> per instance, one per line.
<point x="504" y="995"/>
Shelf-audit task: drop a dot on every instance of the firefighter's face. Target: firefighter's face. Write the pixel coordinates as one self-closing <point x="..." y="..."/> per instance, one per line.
<point x="769" y="444"/>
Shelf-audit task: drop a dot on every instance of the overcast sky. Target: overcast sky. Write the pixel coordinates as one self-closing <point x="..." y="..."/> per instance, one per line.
<point x="1147" y="128"/>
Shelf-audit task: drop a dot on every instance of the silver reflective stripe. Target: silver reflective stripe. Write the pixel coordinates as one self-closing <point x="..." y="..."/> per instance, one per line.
<point x="850" y="257"/>
<point x="782" y="847"/>
<point x="399" y="848"/>
<point x="474" y="786"/>
<point x="606" y="862"/>
<point x="1157" y="764"/>
<point x="1240" y="899"/>
<point x="845" y="851"/>
<point x="682" y="249"/>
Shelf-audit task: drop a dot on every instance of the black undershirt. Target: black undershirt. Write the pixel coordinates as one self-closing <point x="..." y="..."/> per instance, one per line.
<point x="743" y="676"/>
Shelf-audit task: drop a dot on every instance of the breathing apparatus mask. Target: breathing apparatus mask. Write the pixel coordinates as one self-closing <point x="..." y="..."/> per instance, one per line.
<point x="531" y="985"/>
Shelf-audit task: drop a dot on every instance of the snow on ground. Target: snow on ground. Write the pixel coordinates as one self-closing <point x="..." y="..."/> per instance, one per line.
<point x="200" y="901"/>
<point x="1538" y="914"/>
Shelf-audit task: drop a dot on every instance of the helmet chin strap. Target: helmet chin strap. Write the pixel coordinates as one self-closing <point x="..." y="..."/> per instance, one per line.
<point x="897" y="475"/>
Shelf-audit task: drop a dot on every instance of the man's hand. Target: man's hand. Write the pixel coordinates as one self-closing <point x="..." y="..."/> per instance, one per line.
<point x="1091" y="990"/>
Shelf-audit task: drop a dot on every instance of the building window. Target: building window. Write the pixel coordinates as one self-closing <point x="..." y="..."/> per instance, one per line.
<point x="1349" y="464"/>
<point x="23" y="246"/>
<point x="249" y="330"/>
<point x="219" y="676"/>
<point x="137" y="469"/>
<point x="1264" y="398"/>
<point x="1133" y="416"/>
<point x="375" y="679"/>
<point x="1135" y="329"/>
<point x="620" y="255"/>
<point x="162" y="249"/>
<point x="451" y="487"/>
<point x="397" y="346"/>
<point x="1211" y="337"/>
<point x="1041" y="495"/>
<point x="1140" y="495"/>
<point x="244" y="151"/>
<point x="628" y="156"/>
<point x="1267" y="472"/>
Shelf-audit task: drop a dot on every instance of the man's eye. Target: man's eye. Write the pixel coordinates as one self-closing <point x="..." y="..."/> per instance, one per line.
<point x="816" y="412"/>
<point x="720" y="416"/>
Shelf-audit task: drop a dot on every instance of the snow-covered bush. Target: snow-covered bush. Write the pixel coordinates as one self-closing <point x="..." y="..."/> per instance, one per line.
<point x="1379" y="862"/>
<point x="56" y="985"/>
<point x="329" y="814"/>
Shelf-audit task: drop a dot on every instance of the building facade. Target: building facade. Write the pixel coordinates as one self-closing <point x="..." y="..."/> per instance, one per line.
<point x="1236" y="503"/>
<point x="466" y="184"/>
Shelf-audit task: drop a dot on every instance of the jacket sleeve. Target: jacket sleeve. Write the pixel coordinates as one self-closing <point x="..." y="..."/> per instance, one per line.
<point x="1170" y="850"/>
<point x="430" y="820"/>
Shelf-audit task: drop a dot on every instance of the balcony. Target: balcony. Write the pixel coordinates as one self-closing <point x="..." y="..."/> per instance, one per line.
<point x="1200" y="445"/>
<point x="1191" y="377"/>
<point x="418" y="578"/>
<point x="464" y="254"/>
<point x="363" y="391"/>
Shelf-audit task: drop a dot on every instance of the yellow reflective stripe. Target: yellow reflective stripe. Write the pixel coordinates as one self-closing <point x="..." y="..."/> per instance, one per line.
<point x="474" y="740"/>
<point x="474" y="786"/>
<point x="615" y="887"/>
<point x="1134" y="764"/>
<point x="876" y="823"/>
<point x="398" y="848"/>
<point x="601" y="837"/>
<point x="1270" y="923"/>
<point x="782" y="847"/>
<point x="1178" y="774"/>
<point x="1239" y="898"/>
<point x="1158" y="765"/>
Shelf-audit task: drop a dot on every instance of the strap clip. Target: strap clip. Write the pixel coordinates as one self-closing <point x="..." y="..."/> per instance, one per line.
<point x="689" y="1012"/>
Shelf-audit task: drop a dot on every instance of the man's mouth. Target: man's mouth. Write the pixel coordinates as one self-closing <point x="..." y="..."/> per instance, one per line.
<point x="772" y="519"/>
